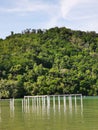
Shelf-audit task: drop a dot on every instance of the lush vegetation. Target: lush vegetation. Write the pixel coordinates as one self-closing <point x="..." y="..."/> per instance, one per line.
<point x="54" y="61"/>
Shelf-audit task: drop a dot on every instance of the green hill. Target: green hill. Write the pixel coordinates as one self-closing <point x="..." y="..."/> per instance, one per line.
<point x="54" y="61"/>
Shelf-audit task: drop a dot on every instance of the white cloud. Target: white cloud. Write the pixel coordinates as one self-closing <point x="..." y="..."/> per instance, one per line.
<point x="66" y="6"/>
<point x="52" y="22"/>
<point x="28" y="6"/>
<point x="25" y="6"/>
<point x="75" y="14"/>
<point x="81" y="14"/>
<point x="63" y="9"/>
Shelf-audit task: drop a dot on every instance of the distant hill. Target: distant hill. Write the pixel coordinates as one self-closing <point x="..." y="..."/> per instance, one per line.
<point x="54" y="61"/>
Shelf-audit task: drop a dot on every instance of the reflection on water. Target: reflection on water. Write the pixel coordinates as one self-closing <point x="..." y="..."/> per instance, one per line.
<point x="42" y="113"/>
<point x="50" y="113"/>
<point x="12" y="107"/>
<point x="45" y="104"/>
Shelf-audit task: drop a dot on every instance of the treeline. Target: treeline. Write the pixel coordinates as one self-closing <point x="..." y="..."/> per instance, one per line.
<point x="54" y="61"/>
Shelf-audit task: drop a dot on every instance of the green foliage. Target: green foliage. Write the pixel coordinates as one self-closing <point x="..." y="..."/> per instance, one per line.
<point x="53" y="61"/>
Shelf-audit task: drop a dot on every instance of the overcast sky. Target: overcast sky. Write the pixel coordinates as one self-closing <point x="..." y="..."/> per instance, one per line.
<point x="17" y="15"/>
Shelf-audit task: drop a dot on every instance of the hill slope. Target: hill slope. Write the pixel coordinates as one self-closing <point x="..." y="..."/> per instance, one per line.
<point x="54" y="61"/>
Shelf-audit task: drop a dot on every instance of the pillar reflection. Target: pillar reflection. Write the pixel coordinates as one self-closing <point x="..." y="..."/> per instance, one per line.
<point x="44" y="103"/>
<point x="12" y="107"/>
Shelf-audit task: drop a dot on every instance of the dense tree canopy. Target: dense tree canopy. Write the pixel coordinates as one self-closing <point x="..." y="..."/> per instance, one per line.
<point x="54" y="61"/>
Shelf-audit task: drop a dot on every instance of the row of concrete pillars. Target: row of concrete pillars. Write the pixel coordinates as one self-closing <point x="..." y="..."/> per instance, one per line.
<point x="52" y="100"/>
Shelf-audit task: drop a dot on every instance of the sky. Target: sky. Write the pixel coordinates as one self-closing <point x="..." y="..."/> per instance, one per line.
<point x="18" y="15"/>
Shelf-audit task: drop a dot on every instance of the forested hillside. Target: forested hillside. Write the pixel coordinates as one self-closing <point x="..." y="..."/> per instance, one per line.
<point x="54" y="61"/>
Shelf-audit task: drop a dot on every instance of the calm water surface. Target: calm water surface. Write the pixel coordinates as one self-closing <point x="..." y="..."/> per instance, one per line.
<point x="70" y="117"/>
